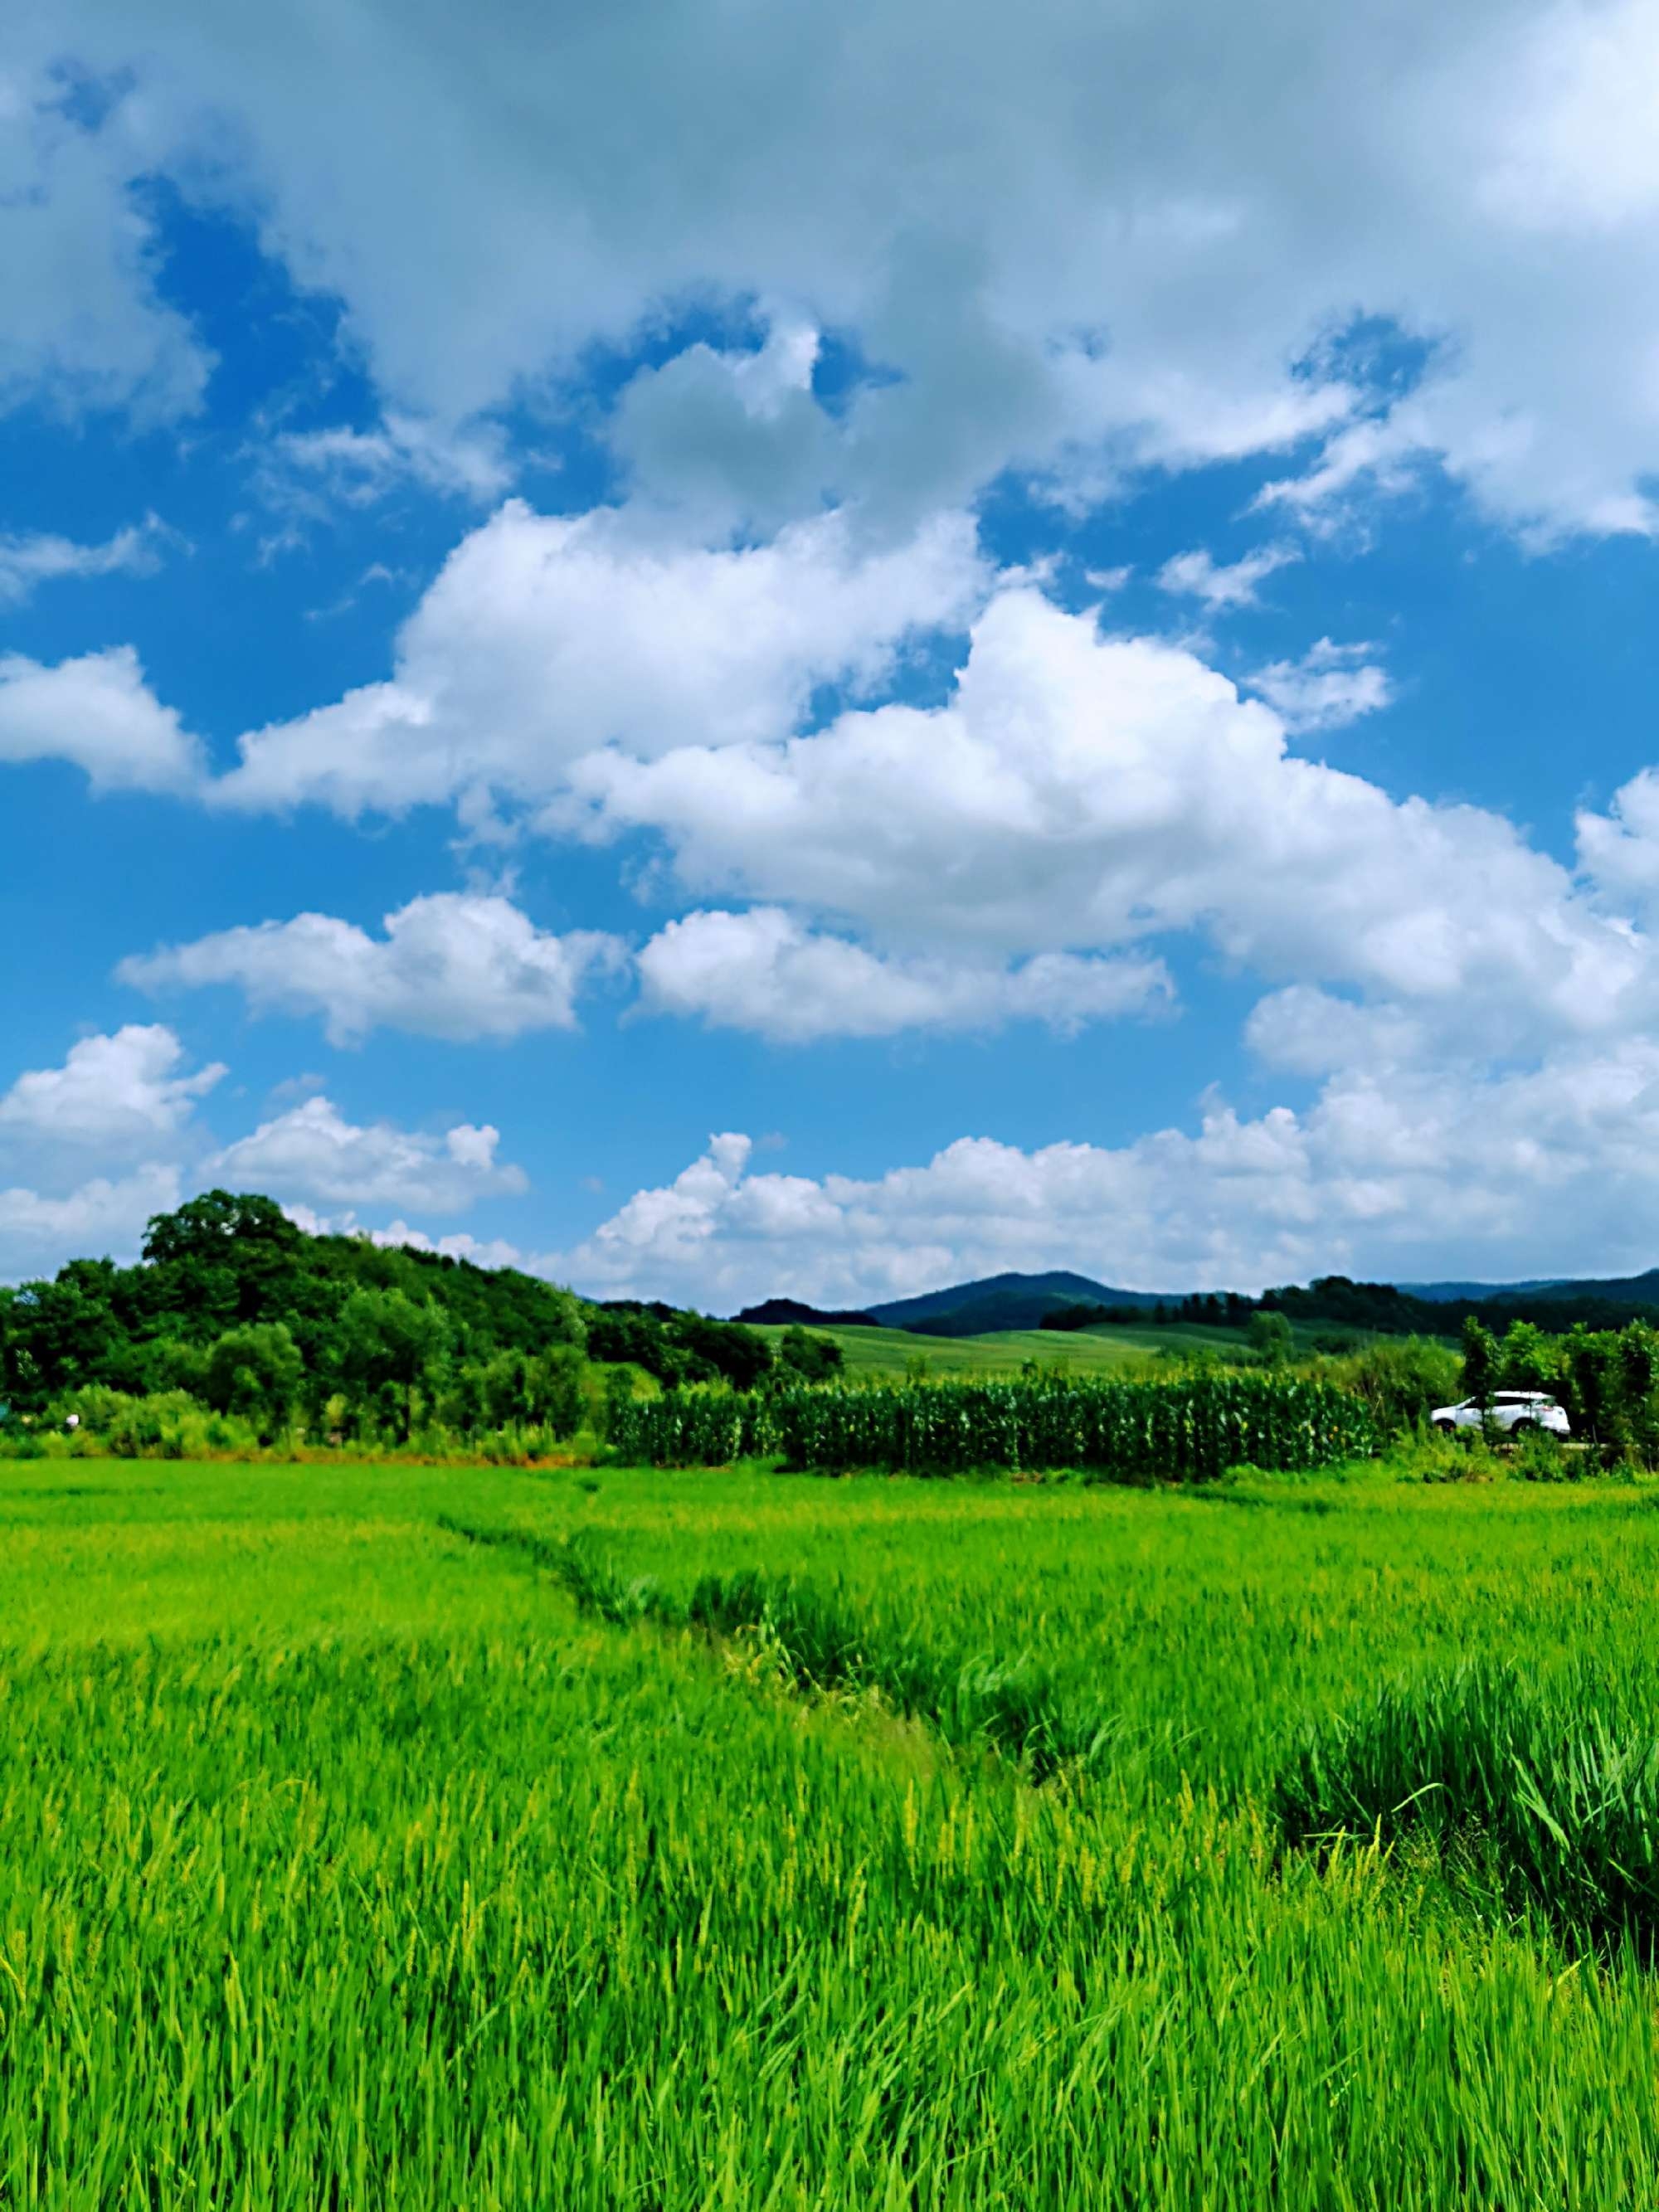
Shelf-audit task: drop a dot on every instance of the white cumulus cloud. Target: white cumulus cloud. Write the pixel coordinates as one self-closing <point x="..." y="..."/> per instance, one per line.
<point x="313" y="1155"/>
<point x="1554" y="1169"/>
<point x="99" y="713"/>
<point x="1094" y="793"/>
<point x="761" y="971"/>
<point x="82" y="325"/>
<point x="1080" y="244"/>
<point x="129" y="1090"/>
<point x="547" y="634"/>
<point x="450" y="965"/>
<point x="103" y="1217"/>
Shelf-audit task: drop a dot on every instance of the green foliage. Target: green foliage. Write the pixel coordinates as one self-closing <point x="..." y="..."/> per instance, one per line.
<point x="1402" y="1378"/>
<point x="225" y="1263"/>
<point x="255" y="1372"/>
<point x="1527" y="1359"/>
<point x="1269" y="1336"/>
<point x="678" y="1347"/>
<point x="1480" y="1361"/>
<point x="278" y="1331"/>
<point x="1555" y="1784"/>
<point x="809" y="1357"/>
<point x="1192" y="1429"/>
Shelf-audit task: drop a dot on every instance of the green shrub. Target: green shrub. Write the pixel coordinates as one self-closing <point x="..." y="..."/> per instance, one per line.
<point x="1402" y="1378"/>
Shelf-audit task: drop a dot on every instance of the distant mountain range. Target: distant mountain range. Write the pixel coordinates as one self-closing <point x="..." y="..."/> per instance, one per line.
<point x="1015" y="1301"/>
<point x="1639" y="1289"/>
<point x="995" y="1302"/>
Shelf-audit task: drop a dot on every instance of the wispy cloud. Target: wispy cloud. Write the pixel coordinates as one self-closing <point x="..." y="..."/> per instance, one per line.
<point x="31" y="559"/>
<point x="1197" y="575"/>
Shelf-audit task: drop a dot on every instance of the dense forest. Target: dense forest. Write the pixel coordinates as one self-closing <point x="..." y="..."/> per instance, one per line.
<point x="235" y="1310"/>
<point x="1336" y="1302"/>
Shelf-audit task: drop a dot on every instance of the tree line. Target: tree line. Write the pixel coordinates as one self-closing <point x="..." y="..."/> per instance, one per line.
<point x="235" y="1311"/>
<point x="1336" y="1302"/>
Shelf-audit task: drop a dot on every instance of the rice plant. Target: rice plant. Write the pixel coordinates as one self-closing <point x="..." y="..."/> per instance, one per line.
<point x="347" y="1863"/>
<point x="1552" y="1782"/>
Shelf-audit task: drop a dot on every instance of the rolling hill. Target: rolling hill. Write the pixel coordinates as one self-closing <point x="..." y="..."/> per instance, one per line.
<point x="998" y="1302"/>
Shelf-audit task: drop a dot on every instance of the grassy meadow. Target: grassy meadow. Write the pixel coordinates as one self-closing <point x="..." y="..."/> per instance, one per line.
<point x="486" y="1838"/>
<point x="871" y="1355"/>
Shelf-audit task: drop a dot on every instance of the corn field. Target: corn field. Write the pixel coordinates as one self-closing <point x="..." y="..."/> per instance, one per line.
<point x="1187" y="1431"/>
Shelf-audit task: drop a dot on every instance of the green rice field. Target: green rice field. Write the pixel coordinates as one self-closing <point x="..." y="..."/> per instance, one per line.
<point x="392" y="1836"/>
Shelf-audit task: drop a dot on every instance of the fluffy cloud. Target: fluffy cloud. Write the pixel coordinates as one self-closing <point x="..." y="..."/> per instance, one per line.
<point x="1079" y="244"/>
<point x="1555" y="1170"/>
<point x="732" y="442"/>
<point x="459" y="1244"/>
<point x="450" y="965"/>
<point x="545" y="636"/>
<point x="313" y="1155"/>
<point x="1620" y="849"/>
<point x="99" y="713"/>
<point x="1329" y="686"/>
<point x="761" y="971"/>
<point x="1091" y="792"/>
<point x="129" y="1090"/>
<point x="102" y="1217"/>
<point x="82" y="325"/>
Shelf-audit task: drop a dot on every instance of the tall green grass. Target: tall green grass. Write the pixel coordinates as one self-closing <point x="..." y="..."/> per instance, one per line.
<point x="814" y="1639"/>
<point x="1550" y="1784"/>
<point x="347" y="1863"/>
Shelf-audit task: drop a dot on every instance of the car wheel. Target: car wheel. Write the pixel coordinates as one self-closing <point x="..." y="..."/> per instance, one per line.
<point x="1445" y="1428"/>
<point x="1524" y="1429"/>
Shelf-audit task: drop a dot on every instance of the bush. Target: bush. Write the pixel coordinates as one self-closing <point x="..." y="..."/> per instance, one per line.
<point x="1402" y="1379"/>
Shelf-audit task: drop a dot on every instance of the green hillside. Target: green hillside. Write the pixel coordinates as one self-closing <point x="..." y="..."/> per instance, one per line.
<point x="873" y="1351"/>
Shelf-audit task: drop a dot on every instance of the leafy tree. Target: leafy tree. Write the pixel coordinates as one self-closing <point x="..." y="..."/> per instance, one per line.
<point x="390" y="1350"/>
<point x="1271" y="1338"/>
<point x="726" y="1349"/>
<point x="1528" y="1359"/>
<point x="204" y="1228"/>
<point x="255" y="1372"/>
<point x="1480" y="1361"/>
<point x="811" y="1358"/>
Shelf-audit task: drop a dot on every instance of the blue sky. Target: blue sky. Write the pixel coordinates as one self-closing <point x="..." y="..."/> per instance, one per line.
<point x="726" y="654"/>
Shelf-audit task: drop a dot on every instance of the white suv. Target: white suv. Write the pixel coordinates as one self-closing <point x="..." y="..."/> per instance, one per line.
<point x="1514" y="1411"/>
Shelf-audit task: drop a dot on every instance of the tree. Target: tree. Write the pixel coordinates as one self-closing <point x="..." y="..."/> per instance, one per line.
<point x="390" y="1349"/>
<point x="255" y="1372"/>
<point x="1528" y="1360"/>
<point x="810" y="1358"/>
<point x="204" y="1227"/>
<point x="1480" y="1363"/>
<point x="1271" y="1338"/>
